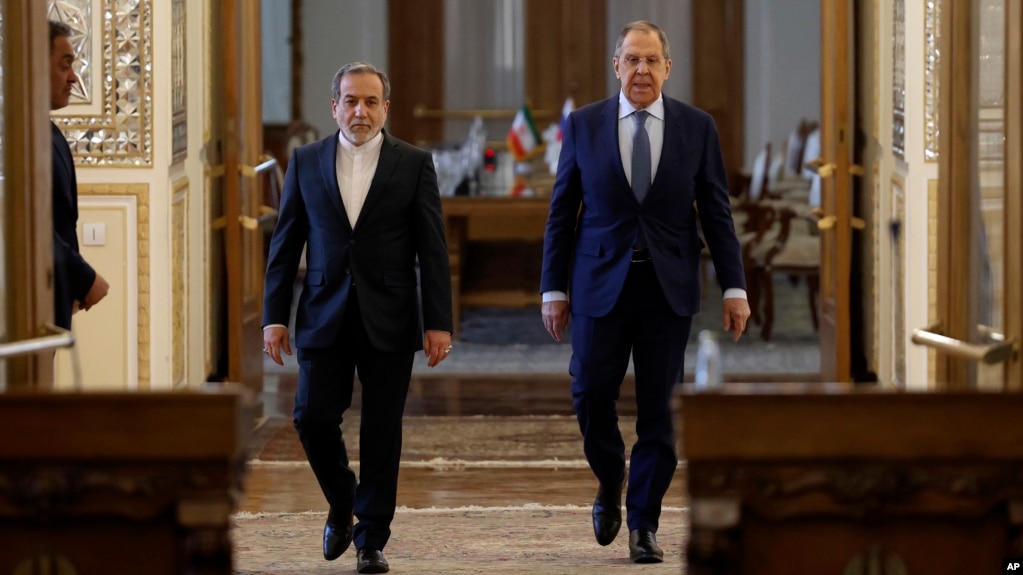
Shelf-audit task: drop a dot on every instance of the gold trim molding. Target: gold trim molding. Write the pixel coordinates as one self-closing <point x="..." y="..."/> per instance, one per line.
<point x="179" y="287"/>
<point x="141" y="194"/>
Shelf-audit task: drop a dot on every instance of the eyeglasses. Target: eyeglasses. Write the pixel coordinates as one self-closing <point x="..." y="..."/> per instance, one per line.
<point x="633" y="61"/>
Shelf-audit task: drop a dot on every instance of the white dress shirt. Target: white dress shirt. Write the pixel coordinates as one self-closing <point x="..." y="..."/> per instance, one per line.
<point x="355" y="167"/>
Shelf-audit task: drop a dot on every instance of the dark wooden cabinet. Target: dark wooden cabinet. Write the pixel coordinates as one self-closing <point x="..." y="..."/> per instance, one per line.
<point x="826" y="479"/>
<point x="120" y="483"/>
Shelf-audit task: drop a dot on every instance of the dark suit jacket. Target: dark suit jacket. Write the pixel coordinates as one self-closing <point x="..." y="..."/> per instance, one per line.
<point x="73" y="276"/>
<point x="595" y="218"/>
<point x="400" y="220"/>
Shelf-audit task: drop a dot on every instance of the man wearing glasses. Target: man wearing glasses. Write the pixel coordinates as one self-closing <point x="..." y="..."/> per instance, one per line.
<point x="634" y="174"/>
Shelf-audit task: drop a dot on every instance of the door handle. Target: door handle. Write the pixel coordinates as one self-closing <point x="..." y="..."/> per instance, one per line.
<point x="997" y="350"/>
<point x="827" y="169"/>
<point x="267" y="217"/>
<point x="828" y="222"/>
<point x="55" y="337"/>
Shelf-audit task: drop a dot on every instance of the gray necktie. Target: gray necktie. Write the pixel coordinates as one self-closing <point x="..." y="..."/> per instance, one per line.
<point x="640" y="156"/>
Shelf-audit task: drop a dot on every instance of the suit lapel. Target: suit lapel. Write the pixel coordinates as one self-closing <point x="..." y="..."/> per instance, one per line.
<point x="672" y="144"/>
<point x="328" y="169"/>
<point x="388" y="161"/>
<point x="609" y="134"/>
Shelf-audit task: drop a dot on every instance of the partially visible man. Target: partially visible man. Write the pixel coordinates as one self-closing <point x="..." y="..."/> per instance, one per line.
<point x="635" y="172"/>
<point x="76" y="285"/>
<point x="366" y="207"/>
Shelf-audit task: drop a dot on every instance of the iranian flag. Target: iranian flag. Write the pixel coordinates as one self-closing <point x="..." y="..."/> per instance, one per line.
<point x="523" y="139"/>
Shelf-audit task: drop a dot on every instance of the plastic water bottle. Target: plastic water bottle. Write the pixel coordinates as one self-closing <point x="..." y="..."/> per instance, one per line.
<point x="708" y="363"/>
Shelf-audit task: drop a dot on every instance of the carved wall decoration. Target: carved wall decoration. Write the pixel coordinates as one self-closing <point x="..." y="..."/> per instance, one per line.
<point x="179" y="287"/>
<point x="179" y="82"/>
<point x="899" y="79"/>
<point x="77" y="14"/>
<point x="120" y="133"/>
<point x="932" y="54"/>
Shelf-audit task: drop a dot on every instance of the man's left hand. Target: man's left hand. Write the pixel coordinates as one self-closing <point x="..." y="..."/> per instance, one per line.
<point x="437" y="346"/>
<point x="736" y="313"/>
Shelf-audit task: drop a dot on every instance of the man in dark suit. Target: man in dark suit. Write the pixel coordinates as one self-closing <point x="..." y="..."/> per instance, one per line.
<point x="365" y="206"/>
<point x="76" y="285"/>
<point x="634" y="174"/>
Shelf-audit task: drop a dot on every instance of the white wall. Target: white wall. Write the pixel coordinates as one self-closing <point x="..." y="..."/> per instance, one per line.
<point x="782" y="70"/>
<point x="336" y="32"/>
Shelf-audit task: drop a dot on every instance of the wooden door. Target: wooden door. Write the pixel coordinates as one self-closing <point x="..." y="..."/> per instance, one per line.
<point x="242" y="145"/>
<point x="980" y="210"/>
<point x="837" y="117"/>
<point x="26" y="257"/>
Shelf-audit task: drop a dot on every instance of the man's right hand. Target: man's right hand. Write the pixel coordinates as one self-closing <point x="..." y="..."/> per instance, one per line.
<point x="555" y="318"/>
<point x="98" y="291"/>
<point x="275" y="339"/>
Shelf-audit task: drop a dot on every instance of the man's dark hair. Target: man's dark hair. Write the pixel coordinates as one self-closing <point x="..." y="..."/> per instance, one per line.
<point x="359" y="68"/>
<point x="58" y="29"/>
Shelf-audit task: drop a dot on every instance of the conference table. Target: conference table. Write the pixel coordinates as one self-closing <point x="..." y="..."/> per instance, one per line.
<point x="496" y="248"/>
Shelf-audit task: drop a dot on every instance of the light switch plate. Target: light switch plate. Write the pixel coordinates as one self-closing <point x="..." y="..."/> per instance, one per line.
<point x="94" y="234"/>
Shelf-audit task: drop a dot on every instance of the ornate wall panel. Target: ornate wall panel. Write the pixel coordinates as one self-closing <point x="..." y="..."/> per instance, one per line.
<point x="118" y="130"/>
<point x="899" y="79"/>
<point x="932" y="53"/>
<point x="141" y="194"/>
<point x="78" y="15"/>
<point x="179" y="82"/>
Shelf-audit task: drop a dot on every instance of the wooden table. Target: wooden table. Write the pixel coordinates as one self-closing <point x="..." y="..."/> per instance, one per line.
<point x="495" y="245"/>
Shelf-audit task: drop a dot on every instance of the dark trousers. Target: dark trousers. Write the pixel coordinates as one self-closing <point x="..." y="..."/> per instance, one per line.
<point x="641" y="324"/>
<point x="325" y="383"/>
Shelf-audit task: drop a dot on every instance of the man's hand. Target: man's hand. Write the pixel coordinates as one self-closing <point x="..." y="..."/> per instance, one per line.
<point x="275" y="339"/>
<point x="736" y="313"/>
<point x="555" y="317"/>
<point x="437" y="346"/>
<point x="98" y="291"/>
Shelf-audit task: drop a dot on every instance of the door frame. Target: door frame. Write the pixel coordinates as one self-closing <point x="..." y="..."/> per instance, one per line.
<point x="242" y="137"/>
<point x="837" y="140"/>
<point x="1013" y="290"/>
<point x="27" y="195"/>
<point x="957" y="192"/>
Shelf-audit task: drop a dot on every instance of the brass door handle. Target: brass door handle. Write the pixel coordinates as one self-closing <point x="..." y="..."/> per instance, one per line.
<point x="266" y="217"/>
<point x="828" y="222"/>
<point x="827" y="169"/>
<point x="997" y="350"/>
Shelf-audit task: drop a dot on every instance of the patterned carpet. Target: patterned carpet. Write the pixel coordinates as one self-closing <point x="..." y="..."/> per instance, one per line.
<point x="472" y="540"/>
<point x="434" y="438"/>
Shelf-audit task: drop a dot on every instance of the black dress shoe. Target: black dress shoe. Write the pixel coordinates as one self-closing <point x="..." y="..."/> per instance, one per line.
<point x="371" y="561"/>
<point x="643" y="547"/>
<point x="337" y="534"/>
<point x="607" y="513"/>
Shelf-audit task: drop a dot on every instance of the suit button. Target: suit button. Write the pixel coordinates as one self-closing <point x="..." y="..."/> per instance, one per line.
<point x="348" y="272"/>
<point x="351" y="242"/>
